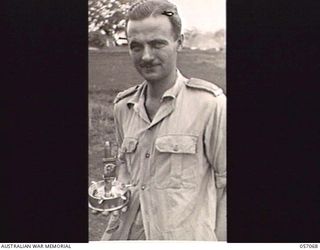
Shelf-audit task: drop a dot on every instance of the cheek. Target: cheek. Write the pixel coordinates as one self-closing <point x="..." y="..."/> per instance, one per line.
<point x="165" y="55"/>
<point x="168" y="57"/>
<point x="135" y="57"/>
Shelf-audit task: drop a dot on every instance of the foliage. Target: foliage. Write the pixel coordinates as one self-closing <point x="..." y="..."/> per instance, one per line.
<point x="194" y="38"/>
<point x="107" y="16"/>
<point x="96" y="39"/>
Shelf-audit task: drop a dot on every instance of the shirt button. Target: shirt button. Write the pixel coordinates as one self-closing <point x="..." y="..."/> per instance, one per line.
<point x="143" y="187"/>
<point x="147" y="155"/>
<point x="175" y="148"/>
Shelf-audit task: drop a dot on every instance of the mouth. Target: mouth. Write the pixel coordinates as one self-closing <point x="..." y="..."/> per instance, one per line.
<point x="150" y="66"/>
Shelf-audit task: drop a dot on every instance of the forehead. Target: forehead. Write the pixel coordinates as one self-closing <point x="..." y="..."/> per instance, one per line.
<point x="150" y="28"/>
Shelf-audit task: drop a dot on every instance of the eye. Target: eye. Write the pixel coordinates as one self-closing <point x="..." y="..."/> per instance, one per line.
<point x="135" y="47"/>
<point x="158" y="44"/>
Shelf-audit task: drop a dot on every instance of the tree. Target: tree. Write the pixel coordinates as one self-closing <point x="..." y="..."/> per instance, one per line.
<point x="107" y="16"/>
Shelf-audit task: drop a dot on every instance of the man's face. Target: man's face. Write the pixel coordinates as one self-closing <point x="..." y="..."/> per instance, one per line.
<point x="152" y="47"/>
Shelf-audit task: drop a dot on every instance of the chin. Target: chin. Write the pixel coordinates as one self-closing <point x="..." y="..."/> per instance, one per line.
<point x="151" y="79"/>
<point x="152" y="76"/>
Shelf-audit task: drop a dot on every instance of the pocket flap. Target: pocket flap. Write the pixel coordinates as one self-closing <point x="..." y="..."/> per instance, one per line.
<point x="186" y="144"/>
<point x="129" y="145"/>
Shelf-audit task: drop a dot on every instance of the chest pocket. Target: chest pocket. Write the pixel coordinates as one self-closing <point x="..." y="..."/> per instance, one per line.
<point x="175" y="161"/>
<point x="128" y="147"/>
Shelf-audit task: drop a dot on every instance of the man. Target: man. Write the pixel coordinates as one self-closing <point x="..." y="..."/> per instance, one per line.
<point x="171" y="133"/>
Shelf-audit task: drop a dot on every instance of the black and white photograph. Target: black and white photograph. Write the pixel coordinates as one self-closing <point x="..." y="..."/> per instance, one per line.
<point x="160" y="124"/>
<point x="157" y="120"/>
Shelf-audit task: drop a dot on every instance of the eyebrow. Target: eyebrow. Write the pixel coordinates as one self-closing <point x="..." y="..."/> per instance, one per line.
<point x="157" y="40"/>
<point x="134" y="42"/>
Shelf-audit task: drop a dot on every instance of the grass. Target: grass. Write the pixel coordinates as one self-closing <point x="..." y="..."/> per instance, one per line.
<point x="111" y="71"/>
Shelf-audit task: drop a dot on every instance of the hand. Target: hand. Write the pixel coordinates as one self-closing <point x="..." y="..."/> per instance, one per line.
<point x="116" y="212"/>
<point x="120" y="191"/>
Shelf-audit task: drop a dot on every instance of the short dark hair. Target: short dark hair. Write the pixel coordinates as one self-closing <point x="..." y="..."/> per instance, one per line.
<point x="146" y="8"/>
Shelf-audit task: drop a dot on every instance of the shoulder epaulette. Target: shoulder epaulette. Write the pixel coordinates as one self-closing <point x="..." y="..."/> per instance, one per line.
<point x="204" y="85"/>
<point x="125" y="93"/>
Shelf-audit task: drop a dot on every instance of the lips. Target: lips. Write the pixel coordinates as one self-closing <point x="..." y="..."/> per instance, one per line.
<point x="148" y="66"/>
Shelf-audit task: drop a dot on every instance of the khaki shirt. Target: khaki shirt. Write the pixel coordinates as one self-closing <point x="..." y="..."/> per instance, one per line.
<point x="177" y="161"/>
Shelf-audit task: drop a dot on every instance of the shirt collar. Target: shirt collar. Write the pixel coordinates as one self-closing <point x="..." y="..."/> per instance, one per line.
<point x="171" y="93"/>
<point x="136" y="96"/>
<point x="175" y="89"/>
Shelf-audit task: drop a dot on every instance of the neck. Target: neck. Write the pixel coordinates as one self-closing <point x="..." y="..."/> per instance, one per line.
<point x="157" y="88"/>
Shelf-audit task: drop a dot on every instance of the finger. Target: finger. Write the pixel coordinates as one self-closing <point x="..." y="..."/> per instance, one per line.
<point x="115" y="213"/>
<point x="124" y="209"/>
<point x="94" y="211"/>
<point x="105" y="213"/>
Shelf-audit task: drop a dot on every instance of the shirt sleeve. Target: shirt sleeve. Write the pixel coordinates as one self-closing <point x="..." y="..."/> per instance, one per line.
<point x="215" y="148"/>
<point x="123" y="175"/>
<point x="215" y="141"/>
<point x="118" y="129"/>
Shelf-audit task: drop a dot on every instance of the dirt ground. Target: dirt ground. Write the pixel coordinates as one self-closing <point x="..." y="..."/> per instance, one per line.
<point x="111" y="71"/>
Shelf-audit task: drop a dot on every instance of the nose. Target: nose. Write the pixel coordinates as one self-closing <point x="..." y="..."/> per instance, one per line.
<point x="147" y="54"/>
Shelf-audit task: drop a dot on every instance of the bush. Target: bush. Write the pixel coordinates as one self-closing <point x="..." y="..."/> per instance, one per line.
<point x="96" y="39"/>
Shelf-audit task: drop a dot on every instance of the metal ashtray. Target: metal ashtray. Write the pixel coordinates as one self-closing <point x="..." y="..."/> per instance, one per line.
<point x="108" y="194"/>
<point x="115" y="199"/>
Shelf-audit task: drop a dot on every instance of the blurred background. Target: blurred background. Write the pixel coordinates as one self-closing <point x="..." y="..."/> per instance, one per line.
<point x="204" y="23"/>
<point x="111" y="70"/>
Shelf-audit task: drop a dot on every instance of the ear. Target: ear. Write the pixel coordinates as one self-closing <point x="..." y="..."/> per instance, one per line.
<point x="180" y="42"/>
